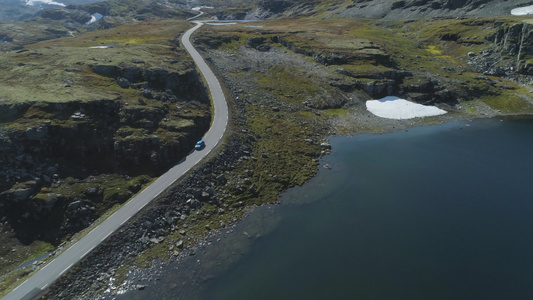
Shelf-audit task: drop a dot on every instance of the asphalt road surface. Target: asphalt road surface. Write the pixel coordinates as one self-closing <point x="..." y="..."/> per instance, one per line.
<point x="39" y="281"/>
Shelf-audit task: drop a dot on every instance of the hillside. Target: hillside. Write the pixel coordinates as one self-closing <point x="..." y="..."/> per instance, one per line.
<point x="90" y="113"/>
<point x="86" y="121"/>
<point x="16" y="10"/>
<point x="382" y="9"/>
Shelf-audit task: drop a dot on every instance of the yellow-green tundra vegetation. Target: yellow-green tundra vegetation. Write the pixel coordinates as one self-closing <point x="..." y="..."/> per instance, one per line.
<point x="290" y="84"/>
<point x="288" y="124"/>
<point x="54" y="84"/>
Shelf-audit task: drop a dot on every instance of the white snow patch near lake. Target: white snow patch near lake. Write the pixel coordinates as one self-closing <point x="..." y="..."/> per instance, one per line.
<point x="200" y="7"/>
<point x="99" y="47"/>
<point x="522" y="11"/>
<point x="94" y="17"/>
<point x="50" y="2"/>
<point x="401" y="109"/>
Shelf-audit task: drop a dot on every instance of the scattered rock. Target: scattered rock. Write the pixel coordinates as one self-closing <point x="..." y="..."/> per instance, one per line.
<point x="179" y="244"/>
<point x="123" y="82"/>
<point x="325" y="145"/>
<point x="72" y="70"/>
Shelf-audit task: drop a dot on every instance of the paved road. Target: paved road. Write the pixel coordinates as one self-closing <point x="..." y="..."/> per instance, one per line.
<point x="62" y="263"/>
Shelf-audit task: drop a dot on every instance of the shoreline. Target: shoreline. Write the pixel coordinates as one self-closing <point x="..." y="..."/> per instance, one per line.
<point x="142" y="277"/>
<point x="153" y="272"/>
<point x="257" y="164"/>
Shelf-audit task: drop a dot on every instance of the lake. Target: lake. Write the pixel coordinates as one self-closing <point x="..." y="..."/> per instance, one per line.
<point x="437" y="212"/>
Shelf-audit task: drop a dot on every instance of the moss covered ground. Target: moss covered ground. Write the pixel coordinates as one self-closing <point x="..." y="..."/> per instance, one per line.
<point x="279" y="98"/>
<point x="285" y="149"/>
<point x="61" y="71"/>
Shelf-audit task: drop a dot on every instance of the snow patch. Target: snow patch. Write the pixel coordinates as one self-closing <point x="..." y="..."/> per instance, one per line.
<point x="522" y="11"/>
<point x="94" y="17"/>
<point x="401" y="109"/>
<point x="200" y="7"/>
<point x="49" y="2"/>
<point x="99" y="47"/>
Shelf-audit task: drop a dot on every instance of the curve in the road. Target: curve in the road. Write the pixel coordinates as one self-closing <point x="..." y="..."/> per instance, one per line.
<point x="39" y="281"/>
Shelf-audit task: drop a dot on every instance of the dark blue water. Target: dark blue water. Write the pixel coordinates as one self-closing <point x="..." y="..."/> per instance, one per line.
<point x="441" y="212"/>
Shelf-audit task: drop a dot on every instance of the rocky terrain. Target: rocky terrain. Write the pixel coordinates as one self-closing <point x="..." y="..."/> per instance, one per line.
<point x="383" y="9"/>
<point x="83" y="129"/>
<point x="292" y="83"/>
<point x="291" y="89"/>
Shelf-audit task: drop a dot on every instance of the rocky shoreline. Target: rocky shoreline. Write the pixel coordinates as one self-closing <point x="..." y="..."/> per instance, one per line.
<point x="96" y="276"/>
<point x="179" y="203"/>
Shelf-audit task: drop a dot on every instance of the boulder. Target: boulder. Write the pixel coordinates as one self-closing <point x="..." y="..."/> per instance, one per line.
<point x="105" y="70"/>
<point x="123" y="82"/>
<point x="325" y="145"/>
<point x="132" y="73"/>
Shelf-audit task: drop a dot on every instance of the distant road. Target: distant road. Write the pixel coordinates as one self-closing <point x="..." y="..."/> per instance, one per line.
<point x="63" y="262"/>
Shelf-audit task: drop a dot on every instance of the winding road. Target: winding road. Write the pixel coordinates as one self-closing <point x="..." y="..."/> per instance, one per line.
<point x="39" y="281"/>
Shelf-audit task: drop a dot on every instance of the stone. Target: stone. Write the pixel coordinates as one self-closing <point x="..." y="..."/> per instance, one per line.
<point x="210" y="191"/>
<point x="221" y="178"/>
<point x="263" y="48"/>
<point x="72" y="70"/>
<point x="132" y="73"/>
<point x="108" y="71"/>
<point x="74" y="205"/>
<point x="325" y="145"/>
<point x="254" y="42"/>
<point x="21" y="194"/>
<point x="92" y="191"/>
<point x="123" y="82"/>
<point x="37" y="134"/>
<point x="179" y="244"/>
<point x="147" y="93"/>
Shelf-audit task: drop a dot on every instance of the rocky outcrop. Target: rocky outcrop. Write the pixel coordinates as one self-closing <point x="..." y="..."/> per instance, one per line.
<point x="169" y="213"/>
<point x="507" y="57"/>
<point x="72" y="15"/>
<point x="410" y="9"/>
<point x="78" y="140"/>
<point x="380" y="9"/>
<point x="332" y="57"/>
<point x="153" y="79"/>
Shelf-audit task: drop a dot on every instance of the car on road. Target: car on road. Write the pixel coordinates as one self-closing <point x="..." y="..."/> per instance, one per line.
<point x="200" y="145"/>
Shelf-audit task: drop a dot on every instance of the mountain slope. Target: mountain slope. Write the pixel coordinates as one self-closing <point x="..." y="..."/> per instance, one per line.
<point x="387" y="9"/>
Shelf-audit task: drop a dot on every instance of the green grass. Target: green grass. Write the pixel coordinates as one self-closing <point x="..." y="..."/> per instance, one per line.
<point x="337" y="112"/>
<point x="515" y="101"/>
<point x="282" y="156"/>
<point x="40" y="73"/>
